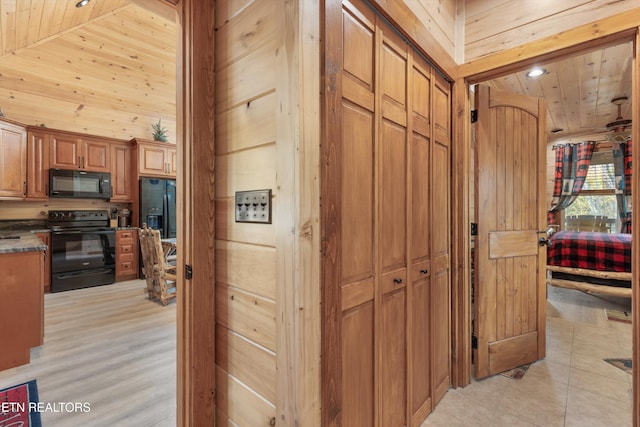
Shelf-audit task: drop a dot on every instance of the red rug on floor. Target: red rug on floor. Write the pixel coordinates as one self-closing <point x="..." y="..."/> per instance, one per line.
<point x="15" y="405"/>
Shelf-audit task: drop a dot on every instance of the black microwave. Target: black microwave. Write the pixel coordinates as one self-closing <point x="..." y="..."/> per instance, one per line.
<point x="79" y="184"/>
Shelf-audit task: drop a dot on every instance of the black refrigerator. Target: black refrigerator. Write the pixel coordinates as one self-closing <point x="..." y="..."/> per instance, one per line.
<point x="158" y="205"/>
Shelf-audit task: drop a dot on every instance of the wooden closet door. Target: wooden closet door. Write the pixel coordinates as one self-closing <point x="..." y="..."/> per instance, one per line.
<point x="419" y="307"/>
<point x="440" y="244"/>
<point x="355" y="150"/>
<point x="392" y="183"/>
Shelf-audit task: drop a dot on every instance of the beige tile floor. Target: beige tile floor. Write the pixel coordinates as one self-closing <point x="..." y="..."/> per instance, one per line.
<point x="572" y="386"/>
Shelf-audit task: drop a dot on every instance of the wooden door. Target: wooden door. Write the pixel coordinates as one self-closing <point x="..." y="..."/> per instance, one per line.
<point x="419" y="304"/>
<point x="440" y="239"/>
<point x="510" y="281"/>
<point x="392" y="184"/>
<point x="357" y="280"/>
<point x="37" y="165"/>
<point x="13" y="160"/>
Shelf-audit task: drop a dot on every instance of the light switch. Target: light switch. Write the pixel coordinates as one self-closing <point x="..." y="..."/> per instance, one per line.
<point x="253" y="206"/>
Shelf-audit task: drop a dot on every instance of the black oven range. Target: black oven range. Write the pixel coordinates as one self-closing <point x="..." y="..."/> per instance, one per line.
<point x="82" y="249"/>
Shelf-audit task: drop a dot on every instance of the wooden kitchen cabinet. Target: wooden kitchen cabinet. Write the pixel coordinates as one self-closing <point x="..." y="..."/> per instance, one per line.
<point x="13" y="160"/>
<point x="69" y="151"/>
<point x="156" y="158"/>
<point x="46" y="280"/>
<point x="37" y="164"/>
<point x="126" y="254"/>
<point x="21" y="306"/>
<point x="122" y="172"/>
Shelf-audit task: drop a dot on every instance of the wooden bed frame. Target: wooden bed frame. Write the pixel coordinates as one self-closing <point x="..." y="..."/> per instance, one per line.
<point x="615" y="291"/>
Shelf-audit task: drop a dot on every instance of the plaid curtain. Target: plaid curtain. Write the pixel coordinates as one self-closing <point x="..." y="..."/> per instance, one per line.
<point x="622" y="168"/>
<point x="572" y="165"/>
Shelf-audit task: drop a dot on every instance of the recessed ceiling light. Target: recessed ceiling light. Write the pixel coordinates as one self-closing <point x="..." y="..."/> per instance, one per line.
<point x="82" y="3"/>
<point x="536" y="72"/>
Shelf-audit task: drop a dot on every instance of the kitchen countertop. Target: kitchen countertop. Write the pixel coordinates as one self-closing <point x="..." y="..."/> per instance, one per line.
<point x="26" y="242"/>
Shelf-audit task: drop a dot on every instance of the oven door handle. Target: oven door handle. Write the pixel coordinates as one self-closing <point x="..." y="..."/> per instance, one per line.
<point x="58" y="233"/>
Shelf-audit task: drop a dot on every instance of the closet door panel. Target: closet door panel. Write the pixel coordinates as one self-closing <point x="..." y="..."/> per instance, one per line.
<point x="393" y="196"/>
<point x="357" y="367"/>
<point x="393" y="369"/>
<point x="357" y="194"/>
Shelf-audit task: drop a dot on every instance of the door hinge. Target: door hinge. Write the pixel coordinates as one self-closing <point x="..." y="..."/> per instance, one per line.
<point x="474" y="116"/>
<point x="188" y="271"/>
<point x="474" y="342"/>
<point x="474" y="229"/>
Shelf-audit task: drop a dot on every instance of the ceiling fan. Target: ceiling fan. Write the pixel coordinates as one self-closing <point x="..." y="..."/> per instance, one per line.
<point x="619" y="129"/>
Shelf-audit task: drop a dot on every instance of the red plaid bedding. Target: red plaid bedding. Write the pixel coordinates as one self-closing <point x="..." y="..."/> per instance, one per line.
<point x="592" y="251"/>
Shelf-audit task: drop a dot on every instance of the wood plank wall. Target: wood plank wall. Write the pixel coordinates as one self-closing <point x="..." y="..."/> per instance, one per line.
<point x="247" y="43"/>
<point x="113" y="76"/>
<point x="495" y="25"/>
<point x="440" y="19"/>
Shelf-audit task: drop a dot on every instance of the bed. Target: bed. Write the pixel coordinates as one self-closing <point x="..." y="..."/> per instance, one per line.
<point x="590" y="262"/>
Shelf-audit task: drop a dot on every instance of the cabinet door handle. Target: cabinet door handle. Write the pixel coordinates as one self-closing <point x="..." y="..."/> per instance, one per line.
<point x="79" y="162"/>
<point x="25" y="188"/>
<point x="424" y="271"/>
<point x="397" y="281"/>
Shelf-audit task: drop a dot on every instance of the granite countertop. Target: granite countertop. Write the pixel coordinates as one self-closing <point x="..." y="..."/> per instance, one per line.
<point x="20" y="241"/>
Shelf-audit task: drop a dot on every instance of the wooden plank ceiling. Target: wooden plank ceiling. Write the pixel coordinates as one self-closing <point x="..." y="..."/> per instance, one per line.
<point x="578" y="91"/>
<point x="108" y="68"/>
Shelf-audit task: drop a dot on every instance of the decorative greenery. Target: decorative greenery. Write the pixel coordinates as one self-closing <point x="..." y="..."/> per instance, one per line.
<point x="159" y="133"/>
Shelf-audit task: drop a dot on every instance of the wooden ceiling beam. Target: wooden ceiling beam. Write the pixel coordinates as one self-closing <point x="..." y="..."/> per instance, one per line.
<point x="607" y="31"/>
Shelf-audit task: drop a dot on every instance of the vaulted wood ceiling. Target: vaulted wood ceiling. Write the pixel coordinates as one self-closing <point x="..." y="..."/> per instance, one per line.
<point x="579" y="90"/>
<point x="107" y="68"/>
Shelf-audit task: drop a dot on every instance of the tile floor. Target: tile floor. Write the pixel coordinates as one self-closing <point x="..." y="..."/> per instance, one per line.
<point x="572" y="386"/>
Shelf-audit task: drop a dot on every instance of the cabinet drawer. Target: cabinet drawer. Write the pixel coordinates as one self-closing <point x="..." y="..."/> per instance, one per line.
<point x="125" y="257"/>
<point x="126" y="249"/>
<point x="125" y="234"/>
<point x="126" y="266"/>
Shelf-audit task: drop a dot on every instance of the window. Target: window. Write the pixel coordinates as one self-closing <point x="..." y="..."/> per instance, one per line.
<point x="598" y="192"/>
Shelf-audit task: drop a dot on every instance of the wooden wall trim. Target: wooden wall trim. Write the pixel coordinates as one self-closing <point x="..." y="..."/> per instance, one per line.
<point x="635" y="239"/>
<point x="461" y="245"/>
<point x="298" y="208"/>
<point x="596" y="34"/>
<point x="404" y="20"/>
<point x="330" y="223"/>
<point x="196" y="215"/>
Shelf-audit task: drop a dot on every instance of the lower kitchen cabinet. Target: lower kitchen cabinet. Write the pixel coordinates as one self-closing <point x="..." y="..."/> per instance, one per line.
<point x="126" y="254"/>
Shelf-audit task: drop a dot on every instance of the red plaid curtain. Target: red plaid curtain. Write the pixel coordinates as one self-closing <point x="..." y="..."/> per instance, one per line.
<point x="572" y="165"/>
<point x="622" y="167"/>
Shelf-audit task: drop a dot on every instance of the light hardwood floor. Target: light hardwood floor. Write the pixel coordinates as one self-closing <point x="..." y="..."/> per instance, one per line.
<point x="108" y="346"/>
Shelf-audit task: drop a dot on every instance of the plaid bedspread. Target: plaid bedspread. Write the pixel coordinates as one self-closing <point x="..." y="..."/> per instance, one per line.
<point x="593" y="251"/>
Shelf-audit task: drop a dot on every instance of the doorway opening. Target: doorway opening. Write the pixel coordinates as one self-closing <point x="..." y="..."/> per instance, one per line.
<point x="578" y="91"/>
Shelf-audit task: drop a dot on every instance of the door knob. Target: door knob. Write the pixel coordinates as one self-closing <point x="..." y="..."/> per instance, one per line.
<point x="542" y="242"/>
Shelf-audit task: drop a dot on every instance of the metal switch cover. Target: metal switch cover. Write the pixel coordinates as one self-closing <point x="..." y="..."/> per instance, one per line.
<point x="253" y="206"/>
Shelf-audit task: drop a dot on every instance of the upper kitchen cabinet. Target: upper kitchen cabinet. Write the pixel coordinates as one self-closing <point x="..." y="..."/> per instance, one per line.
<point x="68" y="151"/>
<point x="13" y="160"/>
<point x="156" y="158"/>
<point x="122" y="172"/>
<point x="37" y="164"/>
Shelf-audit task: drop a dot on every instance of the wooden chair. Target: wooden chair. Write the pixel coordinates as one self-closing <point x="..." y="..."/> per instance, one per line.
<point x="160" y="276"/>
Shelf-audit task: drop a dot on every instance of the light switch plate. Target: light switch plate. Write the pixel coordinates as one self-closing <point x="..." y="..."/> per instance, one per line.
<point x="253" y="206"/>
